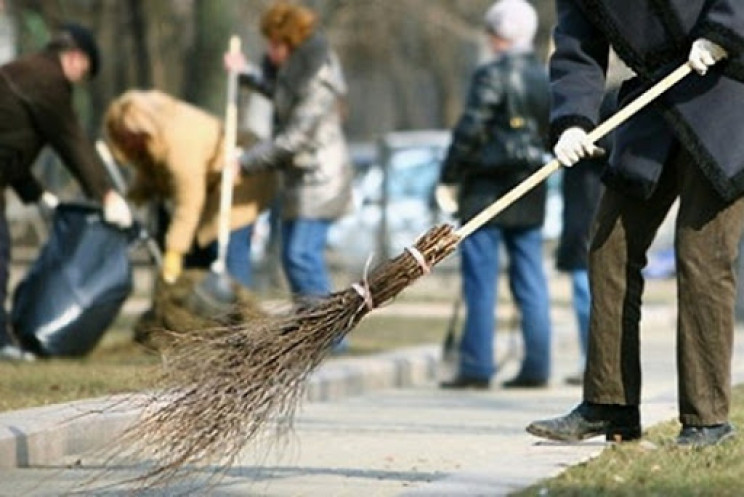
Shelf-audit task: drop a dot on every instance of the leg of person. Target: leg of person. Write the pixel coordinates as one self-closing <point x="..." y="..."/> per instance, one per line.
<point x="239" y="255"/>
<point x="479" y="267"/>
<point x="581" y="299"/>
<point x="707" y="241"/>
<point x="303" y="256"/>
<point x="8" y="349"/>
<point x="530" y="289"/>
<point x="624" y="229"/>
<point x="622" y="232"/>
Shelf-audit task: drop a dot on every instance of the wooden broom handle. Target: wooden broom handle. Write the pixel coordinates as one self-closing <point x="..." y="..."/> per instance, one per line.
<point x="538" y="176"/>
<point x="226" y="181"/>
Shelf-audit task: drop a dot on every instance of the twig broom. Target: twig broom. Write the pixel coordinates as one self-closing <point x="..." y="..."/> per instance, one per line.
<point x="224" y="386"/>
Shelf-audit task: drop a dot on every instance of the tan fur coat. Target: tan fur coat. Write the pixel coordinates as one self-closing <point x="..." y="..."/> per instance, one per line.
<point x="176" y="151"/>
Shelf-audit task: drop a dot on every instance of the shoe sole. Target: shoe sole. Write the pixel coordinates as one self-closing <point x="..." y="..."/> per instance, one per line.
<point x="550" y="435"/>
<point x="724" y="438"/>
<point x="611" y="435"/>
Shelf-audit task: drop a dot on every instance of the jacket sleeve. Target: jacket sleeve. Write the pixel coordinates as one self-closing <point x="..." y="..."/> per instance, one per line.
<point x="723" y="23"/>
<point x="261" y="79"/>
<point x="315" y="102"/>
<point x="577" y="70"/>
<point x="485" y="93"/>
<point x="57" y="122"/>
<point x="189" y="186"/>
<point x="27" y="187"/>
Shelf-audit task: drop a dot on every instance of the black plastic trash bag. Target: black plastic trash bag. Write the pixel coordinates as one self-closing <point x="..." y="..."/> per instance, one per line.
<point x="76" y="287"/>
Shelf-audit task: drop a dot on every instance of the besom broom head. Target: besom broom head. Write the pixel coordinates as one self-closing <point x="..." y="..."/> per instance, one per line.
<point x="223" y="388"/>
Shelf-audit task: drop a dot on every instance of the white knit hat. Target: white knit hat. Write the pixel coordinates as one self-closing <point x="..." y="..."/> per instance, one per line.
<point x="514" y="20"/>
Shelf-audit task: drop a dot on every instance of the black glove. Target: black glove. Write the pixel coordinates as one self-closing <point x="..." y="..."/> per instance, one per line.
<point x="257" y="158"/>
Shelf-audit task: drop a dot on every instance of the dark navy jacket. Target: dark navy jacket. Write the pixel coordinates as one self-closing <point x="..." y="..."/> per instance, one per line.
<point x="653" y="37"/>
<point x="486" y="108"/>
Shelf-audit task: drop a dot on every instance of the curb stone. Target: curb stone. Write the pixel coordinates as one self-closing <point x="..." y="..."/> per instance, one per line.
<point x="42" y="436"/>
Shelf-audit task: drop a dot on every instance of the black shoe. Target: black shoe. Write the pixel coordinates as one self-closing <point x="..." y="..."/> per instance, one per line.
<point x="524" y="383"/>
<point x="704" y="436"/>
<point x="463" y="382"/>
<point x="616" y="423"/>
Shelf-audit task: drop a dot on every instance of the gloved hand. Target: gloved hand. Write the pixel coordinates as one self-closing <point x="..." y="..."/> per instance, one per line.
<point x="704" y="54"/>
<point x="116" y="211"/>
<point x="49" y="200"/>
<point x="236" y="62"/>
<point x="255" y="159"/>
<point x="172" y="266"/>
<point x="573" y="145"/>
<point x="446" y="197"/>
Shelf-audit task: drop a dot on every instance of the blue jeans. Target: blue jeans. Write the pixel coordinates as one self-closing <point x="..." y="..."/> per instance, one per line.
<point x="581" y="304"/>
<point x="303" y="256"/>
<point x="238" y="257"/>
<point x="480" y="270"/>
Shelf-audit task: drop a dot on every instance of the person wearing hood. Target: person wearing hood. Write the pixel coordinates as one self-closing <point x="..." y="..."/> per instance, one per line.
<point x="497" y="143"/>
<point x="36" y="102"/>
<point x="302" y="76"/>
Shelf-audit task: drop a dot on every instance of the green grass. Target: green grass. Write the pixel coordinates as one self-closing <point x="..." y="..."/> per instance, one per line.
<point x="118" y="365"/>
<point x="656" y="467"/>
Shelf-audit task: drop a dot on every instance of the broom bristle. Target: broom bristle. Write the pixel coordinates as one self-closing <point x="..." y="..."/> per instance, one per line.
<point x="224" y="387"/>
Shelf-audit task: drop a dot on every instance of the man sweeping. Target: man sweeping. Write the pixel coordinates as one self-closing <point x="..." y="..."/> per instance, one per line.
<point x="36" y="109"/>
<point x="688" y="145"/>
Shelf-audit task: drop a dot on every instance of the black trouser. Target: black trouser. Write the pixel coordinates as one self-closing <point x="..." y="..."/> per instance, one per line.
<point x="707" y="234"/>
<point x="4" y="272"/>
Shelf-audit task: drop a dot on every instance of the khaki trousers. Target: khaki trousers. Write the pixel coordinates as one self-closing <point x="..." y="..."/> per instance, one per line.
<point x="707" y="233"/>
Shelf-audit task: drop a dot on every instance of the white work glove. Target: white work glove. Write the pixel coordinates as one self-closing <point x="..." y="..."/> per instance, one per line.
<point x="49" y="200"/>
<point x="704" y="54"/>
<point x="235" y="62"/>
<point x="446" y="197"/>
<point x="116" y="211"/>
<point x="573" y="145"/>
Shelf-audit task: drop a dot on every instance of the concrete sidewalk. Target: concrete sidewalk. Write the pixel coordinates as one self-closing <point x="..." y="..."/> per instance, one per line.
<point x="357" y="435"/>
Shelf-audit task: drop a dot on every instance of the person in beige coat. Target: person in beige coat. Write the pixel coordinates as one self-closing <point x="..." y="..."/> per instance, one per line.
<point x="176" y="152"/>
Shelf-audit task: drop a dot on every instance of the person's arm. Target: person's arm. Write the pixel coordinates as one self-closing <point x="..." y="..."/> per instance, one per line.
<point x="27" y="187"/>
<point x="722" y="22"/>
<point x="485" y="93"/>
<point x="189" y="183"/>
<point x="577" y="70"/>
<point x="259" y="78"/>
<point x="59" y="126"/>
<point x="316" y="101"/>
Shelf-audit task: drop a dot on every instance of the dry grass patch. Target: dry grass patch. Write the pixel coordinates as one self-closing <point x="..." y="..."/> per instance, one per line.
<point x="655" y="466"/>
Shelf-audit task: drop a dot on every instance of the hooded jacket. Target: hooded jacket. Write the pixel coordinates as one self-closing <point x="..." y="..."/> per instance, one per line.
<point x="653" y="37"/>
